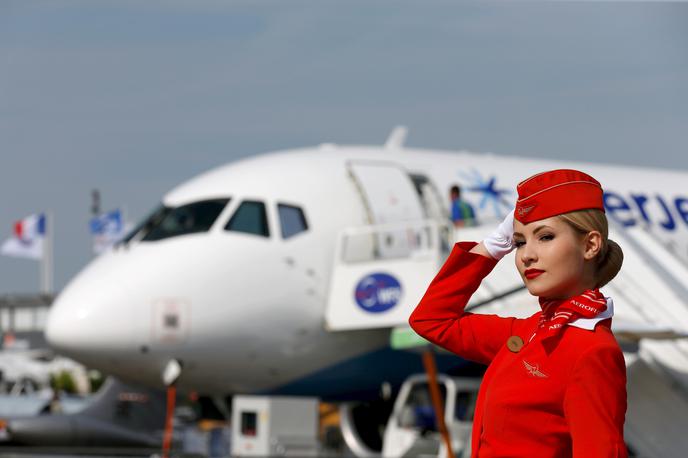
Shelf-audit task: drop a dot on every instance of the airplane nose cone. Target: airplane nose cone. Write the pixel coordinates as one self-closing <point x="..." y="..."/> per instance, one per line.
<point x="91" y="315"/>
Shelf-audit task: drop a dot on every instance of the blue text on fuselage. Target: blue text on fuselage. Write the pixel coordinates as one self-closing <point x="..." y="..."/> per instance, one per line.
<point x="642" y="208"/>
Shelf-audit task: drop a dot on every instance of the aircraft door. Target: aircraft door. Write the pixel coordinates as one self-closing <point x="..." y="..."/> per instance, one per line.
<point x="388" y="192"/>
<point x="435" y="208"/>
<point x="390" y="197"/>
<point x="432" y="202"/>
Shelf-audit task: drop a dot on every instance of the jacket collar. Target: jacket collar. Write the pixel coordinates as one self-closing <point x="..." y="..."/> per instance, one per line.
<point x="589" y="323"/>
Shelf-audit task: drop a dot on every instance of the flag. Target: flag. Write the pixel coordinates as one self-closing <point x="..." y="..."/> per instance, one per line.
<point x="27" y="239"/>
<point x="107" y="229"/>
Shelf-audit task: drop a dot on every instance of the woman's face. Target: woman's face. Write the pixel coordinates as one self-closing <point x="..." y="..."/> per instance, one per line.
<point x="553" y="259"/>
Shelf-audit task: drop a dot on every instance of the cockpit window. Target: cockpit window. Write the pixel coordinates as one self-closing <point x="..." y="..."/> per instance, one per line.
<point x="292" y="220"/>
<point x="186" y="219"/>
<point x="148" y="223"/>
<point x="251" y="218"/>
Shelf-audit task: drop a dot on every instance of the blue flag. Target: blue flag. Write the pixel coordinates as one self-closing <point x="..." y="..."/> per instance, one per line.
<point x="107" y="229"/>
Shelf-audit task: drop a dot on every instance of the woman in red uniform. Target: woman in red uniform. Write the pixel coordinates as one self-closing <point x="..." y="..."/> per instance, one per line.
<point x="555" y="385"/>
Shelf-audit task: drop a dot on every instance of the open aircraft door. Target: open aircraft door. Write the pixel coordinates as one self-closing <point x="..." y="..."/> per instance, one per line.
<point x="382" y="269"/>
<point x="389" y="196"/>
<point x="387" y="190"/>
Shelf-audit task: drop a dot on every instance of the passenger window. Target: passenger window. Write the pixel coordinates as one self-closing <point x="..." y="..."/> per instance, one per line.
<point x="251" y="218"/>
<point x="187" y="219"/>
<point x="292" y="220"/>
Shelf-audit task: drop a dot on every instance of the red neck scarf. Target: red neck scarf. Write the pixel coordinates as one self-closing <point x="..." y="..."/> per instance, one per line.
<point x="558" y="313"/>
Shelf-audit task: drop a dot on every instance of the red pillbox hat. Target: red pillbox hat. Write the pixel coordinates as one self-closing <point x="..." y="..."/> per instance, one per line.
<point x="555" y="192"/>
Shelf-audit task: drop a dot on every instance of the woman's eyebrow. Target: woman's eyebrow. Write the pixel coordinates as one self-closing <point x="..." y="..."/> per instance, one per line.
<point x="540" y="228"/>
<point x="518" y="234"/>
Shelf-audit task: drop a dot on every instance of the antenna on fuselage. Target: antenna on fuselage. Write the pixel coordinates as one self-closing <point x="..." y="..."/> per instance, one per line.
<point x="397" y="138"/>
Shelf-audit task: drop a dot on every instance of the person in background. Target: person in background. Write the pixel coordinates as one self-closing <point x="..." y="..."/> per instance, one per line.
<point x="462" y="213"/>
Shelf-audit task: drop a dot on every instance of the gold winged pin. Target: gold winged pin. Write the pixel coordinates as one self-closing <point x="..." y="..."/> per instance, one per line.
<point x="534" y="370"/>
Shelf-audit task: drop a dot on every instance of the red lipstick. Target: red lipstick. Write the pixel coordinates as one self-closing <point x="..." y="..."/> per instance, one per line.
<point x="532" y="273"/>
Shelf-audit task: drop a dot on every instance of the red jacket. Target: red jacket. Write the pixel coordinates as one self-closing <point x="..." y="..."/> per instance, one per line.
<point x="561" y="397"/>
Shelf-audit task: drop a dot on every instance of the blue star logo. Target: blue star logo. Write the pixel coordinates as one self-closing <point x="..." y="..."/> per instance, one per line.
<point x="491" y="194"/>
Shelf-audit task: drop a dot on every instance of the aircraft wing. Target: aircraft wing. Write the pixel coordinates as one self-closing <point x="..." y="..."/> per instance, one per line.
<point x="633" y="331"/>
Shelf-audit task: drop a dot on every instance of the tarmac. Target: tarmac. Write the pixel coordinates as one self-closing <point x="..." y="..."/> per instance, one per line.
<point x="90" y="452"/>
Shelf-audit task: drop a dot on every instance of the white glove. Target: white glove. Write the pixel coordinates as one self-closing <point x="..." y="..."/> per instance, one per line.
<point x="501" y="241"/>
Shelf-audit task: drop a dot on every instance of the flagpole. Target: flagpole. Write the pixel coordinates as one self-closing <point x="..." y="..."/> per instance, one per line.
<point x="44" y="255"/>
<point x="47" y="258"/>
<point x="51" y="263"/>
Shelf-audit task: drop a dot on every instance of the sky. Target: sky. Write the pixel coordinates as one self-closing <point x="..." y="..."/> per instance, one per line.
<point x="133" y="98"/>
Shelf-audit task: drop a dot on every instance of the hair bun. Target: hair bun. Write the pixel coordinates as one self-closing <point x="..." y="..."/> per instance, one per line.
<point x="610" y="264"/>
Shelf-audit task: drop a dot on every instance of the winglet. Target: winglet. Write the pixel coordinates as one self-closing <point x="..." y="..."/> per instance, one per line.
<point x="397" y="138"/>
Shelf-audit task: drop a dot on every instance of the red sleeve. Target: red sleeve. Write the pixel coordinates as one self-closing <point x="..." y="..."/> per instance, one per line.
<point x="439" y="317"/>
<point x="595" y="404"/>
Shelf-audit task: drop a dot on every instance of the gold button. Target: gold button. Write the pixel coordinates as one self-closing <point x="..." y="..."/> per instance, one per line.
<point x="514" y="344"/>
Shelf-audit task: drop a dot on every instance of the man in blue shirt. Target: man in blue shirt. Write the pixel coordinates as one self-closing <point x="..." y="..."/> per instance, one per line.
<point x="462" y="213"/>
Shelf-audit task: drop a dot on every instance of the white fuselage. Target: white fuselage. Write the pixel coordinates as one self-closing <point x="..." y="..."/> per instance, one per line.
<point x="248" y="310"/>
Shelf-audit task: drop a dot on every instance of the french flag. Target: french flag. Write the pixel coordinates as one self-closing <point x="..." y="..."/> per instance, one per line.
<point x="27" y="239"/>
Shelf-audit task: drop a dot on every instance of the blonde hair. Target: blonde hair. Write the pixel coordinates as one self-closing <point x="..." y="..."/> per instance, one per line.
<point x="610" y="256"/>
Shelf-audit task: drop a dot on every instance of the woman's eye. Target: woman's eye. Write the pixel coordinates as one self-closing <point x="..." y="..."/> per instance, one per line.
<point x="519" y="243"/>
<point x="547" y="237"/>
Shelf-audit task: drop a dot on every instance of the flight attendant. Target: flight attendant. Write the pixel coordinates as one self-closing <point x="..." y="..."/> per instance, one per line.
<point x="555" y="385"/>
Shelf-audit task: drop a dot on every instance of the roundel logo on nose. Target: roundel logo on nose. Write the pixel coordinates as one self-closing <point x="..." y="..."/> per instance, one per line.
<point x="377" y="292"/>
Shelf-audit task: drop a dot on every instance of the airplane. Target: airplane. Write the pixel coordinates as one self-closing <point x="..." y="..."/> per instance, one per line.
<point x="118" y="415"/>
<point x="276" y="274"/>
